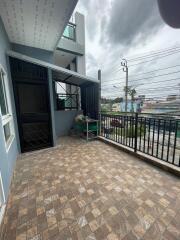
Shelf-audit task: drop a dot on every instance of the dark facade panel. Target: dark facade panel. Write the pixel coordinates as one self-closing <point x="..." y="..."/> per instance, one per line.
<point x="31" y="91"/>
<point x="90" y="100"/>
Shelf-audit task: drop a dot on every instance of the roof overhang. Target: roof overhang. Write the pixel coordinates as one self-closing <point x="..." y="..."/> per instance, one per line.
<point x="37" y="24"/>
<point x="58" y="73"/>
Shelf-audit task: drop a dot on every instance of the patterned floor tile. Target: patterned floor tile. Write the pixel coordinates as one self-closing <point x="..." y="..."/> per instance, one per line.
<point x="90" y="191"/>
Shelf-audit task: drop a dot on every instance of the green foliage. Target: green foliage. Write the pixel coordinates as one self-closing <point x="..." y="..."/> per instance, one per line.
<point x="129" y="132"/>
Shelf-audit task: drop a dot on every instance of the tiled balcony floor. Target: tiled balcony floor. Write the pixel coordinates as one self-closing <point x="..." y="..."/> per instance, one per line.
<point x="82" y="190"/>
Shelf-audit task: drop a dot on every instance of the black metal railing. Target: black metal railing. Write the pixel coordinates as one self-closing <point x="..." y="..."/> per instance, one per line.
<point x="157" y="136"/>
<point x="67" y="101"/>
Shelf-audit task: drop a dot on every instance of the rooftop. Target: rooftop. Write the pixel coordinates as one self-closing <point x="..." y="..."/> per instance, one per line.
<point x="80" y="190"/>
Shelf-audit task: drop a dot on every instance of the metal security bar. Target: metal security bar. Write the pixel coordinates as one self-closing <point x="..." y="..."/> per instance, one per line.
<point x="67" y="101"/>
<point x="157" y="136"/>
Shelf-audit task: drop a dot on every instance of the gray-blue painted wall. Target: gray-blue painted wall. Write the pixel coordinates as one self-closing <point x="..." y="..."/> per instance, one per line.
<point x="64" y="121"/>
<point x="7" y="159"/>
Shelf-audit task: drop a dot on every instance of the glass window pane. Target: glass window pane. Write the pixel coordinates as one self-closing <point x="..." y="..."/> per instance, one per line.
<point x="7" y="131"/>
<point x="69" y="32"/>
<point x="3" y="102"/>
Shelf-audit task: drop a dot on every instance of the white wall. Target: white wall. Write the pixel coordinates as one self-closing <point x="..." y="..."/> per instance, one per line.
<point x="80" y="38"/>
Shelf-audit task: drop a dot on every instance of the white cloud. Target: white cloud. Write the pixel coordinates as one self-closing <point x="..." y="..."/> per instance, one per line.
<point x="106" y="45"/>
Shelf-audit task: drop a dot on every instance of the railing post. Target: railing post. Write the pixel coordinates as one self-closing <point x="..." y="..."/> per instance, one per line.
<point x="99" y="104"/>
<point x="136" y="130"/>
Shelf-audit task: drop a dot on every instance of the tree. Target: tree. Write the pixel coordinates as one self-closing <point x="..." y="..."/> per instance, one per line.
<point x="132" y="92"/>
<point x="118" y="100"/>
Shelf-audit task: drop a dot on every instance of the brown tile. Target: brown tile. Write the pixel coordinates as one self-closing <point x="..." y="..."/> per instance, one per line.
<point x="90" y="191"/>
<point x="93" y="225"/>
<point x="169" y="236"/>
<point x="130" y="236"/>
<point x="112" y="236"/>
<point x="102" y="232"/>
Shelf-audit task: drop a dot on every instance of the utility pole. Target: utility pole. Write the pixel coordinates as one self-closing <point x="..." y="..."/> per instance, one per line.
<point x="125" y="69"/>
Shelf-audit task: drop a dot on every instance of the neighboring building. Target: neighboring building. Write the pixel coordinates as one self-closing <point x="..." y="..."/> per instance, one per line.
<point x="32" y="115"/>
<point x="172" y="97"/>
<point x="171" y="106"/>
<point x="106" y="107"/>
<point x="116" y="107"/>
<point x="136" y="106"/>
<point x="141" y="97"/>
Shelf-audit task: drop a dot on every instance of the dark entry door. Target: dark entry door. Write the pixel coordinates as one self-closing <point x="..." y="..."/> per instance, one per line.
<point x="32" y="105"/>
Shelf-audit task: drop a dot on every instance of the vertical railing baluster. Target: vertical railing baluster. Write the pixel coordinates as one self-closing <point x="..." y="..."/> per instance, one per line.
<point x="154" y="121"/>
<point x="136" y="131"/>
<point x="169" y="139"/>
<point x="164" y="132"/>
<point x="109" y="126"/>
<point x="144" y="145"/>
<point x="114" y="129"/>
<point x="149" y="129"/>
<point x="140" y="134"/>
<point x="175" y="140"/>
<point x="132" y="131"/>
<point x="118" y="121"/>
<point x="157" y="147"/>
<point x="124" y="129"/>
<point x="106" y="125"/>
<point x="121" y="128"/>
<point x="117" y="118"/>
<point x="127" y="128"/>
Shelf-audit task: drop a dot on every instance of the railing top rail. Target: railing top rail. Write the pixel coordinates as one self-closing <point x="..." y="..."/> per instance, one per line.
<point x="67" y="94"/>
<point x="139" y="114"/>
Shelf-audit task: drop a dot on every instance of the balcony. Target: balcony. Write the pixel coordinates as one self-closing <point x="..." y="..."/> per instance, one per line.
<point x="70" y="32"/>
<point x="90" y="190"/>
<point x="69" y="42"/>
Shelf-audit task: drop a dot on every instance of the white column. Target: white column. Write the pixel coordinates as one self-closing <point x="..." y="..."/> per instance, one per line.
<point x="80" y="38"/>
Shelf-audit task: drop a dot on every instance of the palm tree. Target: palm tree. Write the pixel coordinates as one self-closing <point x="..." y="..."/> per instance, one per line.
<point x="132" y="92"/>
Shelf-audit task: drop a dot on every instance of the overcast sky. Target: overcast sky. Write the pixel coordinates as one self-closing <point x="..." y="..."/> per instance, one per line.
<point x="129" y="28"/>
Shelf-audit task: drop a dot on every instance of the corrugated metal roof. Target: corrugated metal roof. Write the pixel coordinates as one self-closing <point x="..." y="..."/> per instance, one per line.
<point x="58" y="73"/>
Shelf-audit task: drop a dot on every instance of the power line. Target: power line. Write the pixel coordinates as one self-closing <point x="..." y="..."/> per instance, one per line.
<point x="164" y="89"/>
<point x="156" y="51"/>
<point x="155" y="70"/>
<point x="162" y="55"/>
<point x="166" y="80"/>
<point x="153" y="59"/>
<point x="149" y="90"/>
<point x="153" y="55"/>
<point x="149" y="97"/>
<point x="140" y="79"/>
<point x="161" y="75"/>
